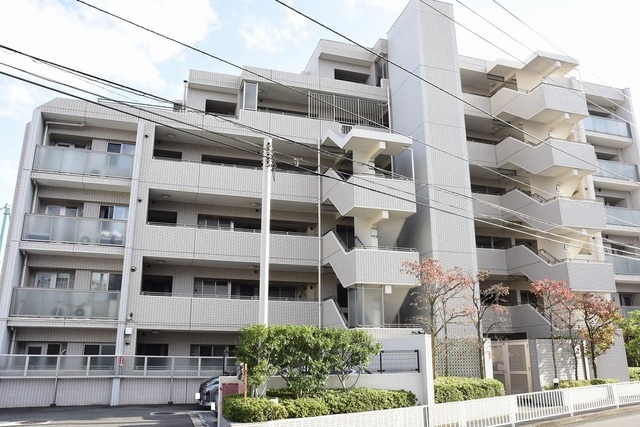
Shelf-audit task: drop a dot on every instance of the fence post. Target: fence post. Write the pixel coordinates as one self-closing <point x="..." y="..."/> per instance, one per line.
<point x="513" y="410"/>
<point x="614" y="392"/>
<point x="462" y="406"/>
<point x="568" y="399"/>
<point x="381" y="370"/>
<point x="417" y="360"/>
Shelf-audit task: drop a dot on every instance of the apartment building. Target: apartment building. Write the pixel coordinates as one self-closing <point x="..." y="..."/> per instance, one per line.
<point x="136" y="231"/>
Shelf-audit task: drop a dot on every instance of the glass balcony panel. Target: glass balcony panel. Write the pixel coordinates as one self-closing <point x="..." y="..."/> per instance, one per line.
<point x="73" y="161"/>
<point x="623" y="216"/>
<point x="112" y="232"/>
<point x="48" y="159"/>
<point x="39" y="302"/>
<point x="74" y="363"/>
<point x="608" y="126"/>
<point x="83" y="161"/>
<point x="120" y="165"/>
<point x="623" y="265"/>
<point x="64" y="229"/>
<point x="42" y="363"/>
<point x="37" y="227"/>
<point x="616" y="170"/>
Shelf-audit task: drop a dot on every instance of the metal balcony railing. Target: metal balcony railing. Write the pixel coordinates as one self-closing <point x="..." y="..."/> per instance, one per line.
<point x="608" y="126"/>
<point x="64" y="303"/>
<point x="74" y="230"/>
<point x="72" y="160"/>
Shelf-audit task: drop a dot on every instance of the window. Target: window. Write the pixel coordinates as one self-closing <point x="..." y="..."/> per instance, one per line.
<point x="626" y="300"/>
<point x="215" y="222"/>
<point x="212" y="288"/>
<point x="49" y="349"/>
<point x="51" y="279"/>
<point x="282" y="292"/>
<point x="152" y="284"/>
<point x="350" y="76"/>
<point x="116" y="147"/>
<point x="212" y="350"/>
<point x="162" y="217"/>
<point x="103" y="281"/>
<point x="167" y="154"/>
<point x="62" y="210"/>
<point x="250" y="96"/>
<point x="99" y="349"/>
<point x="70" y="145"/>
<point x="114" y="212"/>
<point x="220" y="107"/>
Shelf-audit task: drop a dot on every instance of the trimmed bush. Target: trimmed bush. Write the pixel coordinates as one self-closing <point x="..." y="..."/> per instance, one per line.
<point x="236" y="409"/>
<point x="454" y="389"/>
<point x="305" y="407"/>
<point x="582" y="383"/>
<point x="365" y="399"/>
<point x="634" y="374"/>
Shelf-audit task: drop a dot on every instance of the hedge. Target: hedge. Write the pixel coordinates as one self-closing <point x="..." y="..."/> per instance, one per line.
<point x="582" y="383"/>
<point x="634" y="374"/>
<point x="454" y="389"/>
<point x="325" y="402"/>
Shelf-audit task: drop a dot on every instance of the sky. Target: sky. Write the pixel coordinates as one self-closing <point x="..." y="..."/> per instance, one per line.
<point x="602" y="36"/>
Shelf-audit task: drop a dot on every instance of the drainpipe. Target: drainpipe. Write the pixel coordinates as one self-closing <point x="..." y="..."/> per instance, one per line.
<point x="389" y="109"/>
<point x="13" y="340"/>
<point x="23" y="277"/>
<point x="318" y="230"/>
<point x="184" y="95"/>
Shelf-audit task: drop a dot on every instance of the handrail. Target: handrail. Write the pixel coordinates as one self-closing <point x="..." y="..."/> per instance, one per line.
<point x="241" y="230"/>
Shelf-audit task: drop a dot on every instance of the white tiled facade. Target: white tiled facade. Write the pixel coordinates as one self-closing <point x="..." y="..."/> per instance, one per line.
<point x="138" y="230"/>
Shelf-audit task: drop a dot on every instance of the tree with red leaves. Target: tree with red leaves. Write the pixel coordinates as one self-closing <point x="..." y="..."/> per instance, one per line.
<point x="551" y="296"/>
<point x="437" y="288"/>
<point x="598" y="316"/>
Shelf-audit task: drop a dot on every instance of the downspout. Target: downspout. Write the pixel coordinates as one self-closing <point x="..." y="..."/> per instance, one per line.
<point x="389" y="109"/>
<point x="13" y="340"/>
<point x="319" y="231"/>
<point x="23" y="277"/>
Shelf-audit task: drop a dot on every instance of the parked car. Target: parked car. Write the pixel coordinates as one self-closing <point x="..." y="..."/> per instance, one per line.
<point x="208" y="391"/>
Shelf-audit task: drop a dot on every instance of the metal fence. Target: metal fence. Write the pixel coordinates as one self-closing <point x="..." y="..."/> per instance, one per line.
<point x="498" y="411"/>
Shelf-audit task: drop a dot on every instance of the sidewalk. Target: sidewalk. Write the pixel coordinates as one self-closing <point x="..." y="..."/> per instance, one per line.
<point x="608" y="417"/>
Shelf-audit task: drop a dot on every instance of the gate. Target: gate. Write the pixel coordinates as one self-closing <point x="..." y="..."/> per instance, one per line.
<point x="512" y="365"/>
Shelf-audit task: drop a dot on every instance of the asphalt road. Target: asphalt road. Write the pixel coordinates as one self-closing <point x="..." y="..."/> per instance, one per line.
<point x="108" y="416"/>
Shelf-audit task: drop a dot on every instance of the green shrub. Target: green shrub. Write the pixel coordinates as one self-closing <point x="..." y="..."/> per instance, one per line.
<point x="634" y="374"/>
<point x="365" y="399"/>
<point x="582" y="383"/>
<point x="305" y="407"/>
<point x="325" y="402"/>
<point x="236" y="409"/>
<point x="453" y="389"/>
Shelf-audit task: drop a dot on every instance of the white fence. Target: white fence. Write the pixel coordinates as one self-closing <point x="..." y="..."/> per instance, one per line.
<point x="497" y="411"/>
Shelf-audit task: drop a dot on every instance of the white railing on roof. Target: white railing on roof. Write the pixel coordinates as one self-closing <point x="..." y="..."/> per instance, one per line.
<point x="497" y="411"/>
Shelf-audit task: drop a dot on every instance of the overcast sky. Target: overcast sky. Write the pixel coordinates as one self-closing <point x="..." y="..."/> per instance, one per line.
<point x="603" y="36"/>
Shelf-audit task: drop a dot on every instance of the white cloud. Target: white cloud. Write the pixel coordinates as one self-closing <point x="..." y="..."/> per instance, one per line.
<point x="17" y="100"/>
<point x="81" y="37"/>
<point x="270" y="37"/>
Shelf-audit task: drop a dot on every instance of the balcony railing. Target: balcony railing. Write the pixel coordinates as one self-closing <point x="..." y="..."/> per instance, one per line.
<point x="623" y="264"/>
<point x="74" y="230"/>
<point x="71" y="160"/>
<point x="616" y="170"/>
<point x="608" y="126"/>
<point x="622" y="216"/>
<point x="628" y="309"/>
<point x="64" y="303"/>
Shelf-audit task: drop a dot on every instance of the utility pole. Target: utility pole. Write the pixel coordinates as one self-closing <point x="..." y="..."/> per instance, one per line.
<point x="265" y="230"/>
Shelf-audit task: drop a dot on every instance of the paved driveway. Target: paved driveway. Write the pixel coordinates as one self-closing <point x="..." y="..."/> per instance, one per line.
<point x="108" y="416"/>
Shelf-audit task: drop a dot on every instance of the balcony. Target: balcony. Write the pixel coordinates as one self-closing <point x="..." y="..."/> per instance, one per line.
<point x="628" y="309"/>
<point x="216" y="314"/>
<point x="616" y="176"/>
<point x="64" y="303"/>
<point x="64" y="229"/>
<point x="607" y="132"/>
<point x="70" y="167"/>
<point x="622" y="216"/>
<point x="202" y="178"/>
<point x="216" y="245"/>
<point x="624" y="264"/>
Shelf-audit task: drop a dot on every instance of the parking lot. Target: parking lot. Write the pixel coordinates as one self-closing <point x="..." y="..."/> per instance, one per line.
<point x="114" y="416"/>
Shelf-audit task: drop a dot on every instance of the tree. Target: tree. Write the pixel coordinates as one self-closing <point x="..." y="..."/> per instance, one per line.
<point x="351" y="349"/>
<point x="551" y="294"/>
<point x="437" y="288"/>
<point x="569" y="319"/>
<point x="258" y="347"/>
<point x="631" y="333"/>
<point x="598" y="317"/>
<point x="485" y="301"/>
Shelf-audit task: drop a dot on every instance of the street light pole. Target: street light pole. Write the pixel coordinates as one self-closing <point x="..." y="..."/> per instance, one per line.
<point x="265" y="229"/>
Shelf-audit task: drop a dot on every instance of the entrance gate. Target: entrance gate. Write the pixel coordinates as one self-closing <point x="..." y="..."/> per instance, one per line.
<point x="512" y="365"/>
